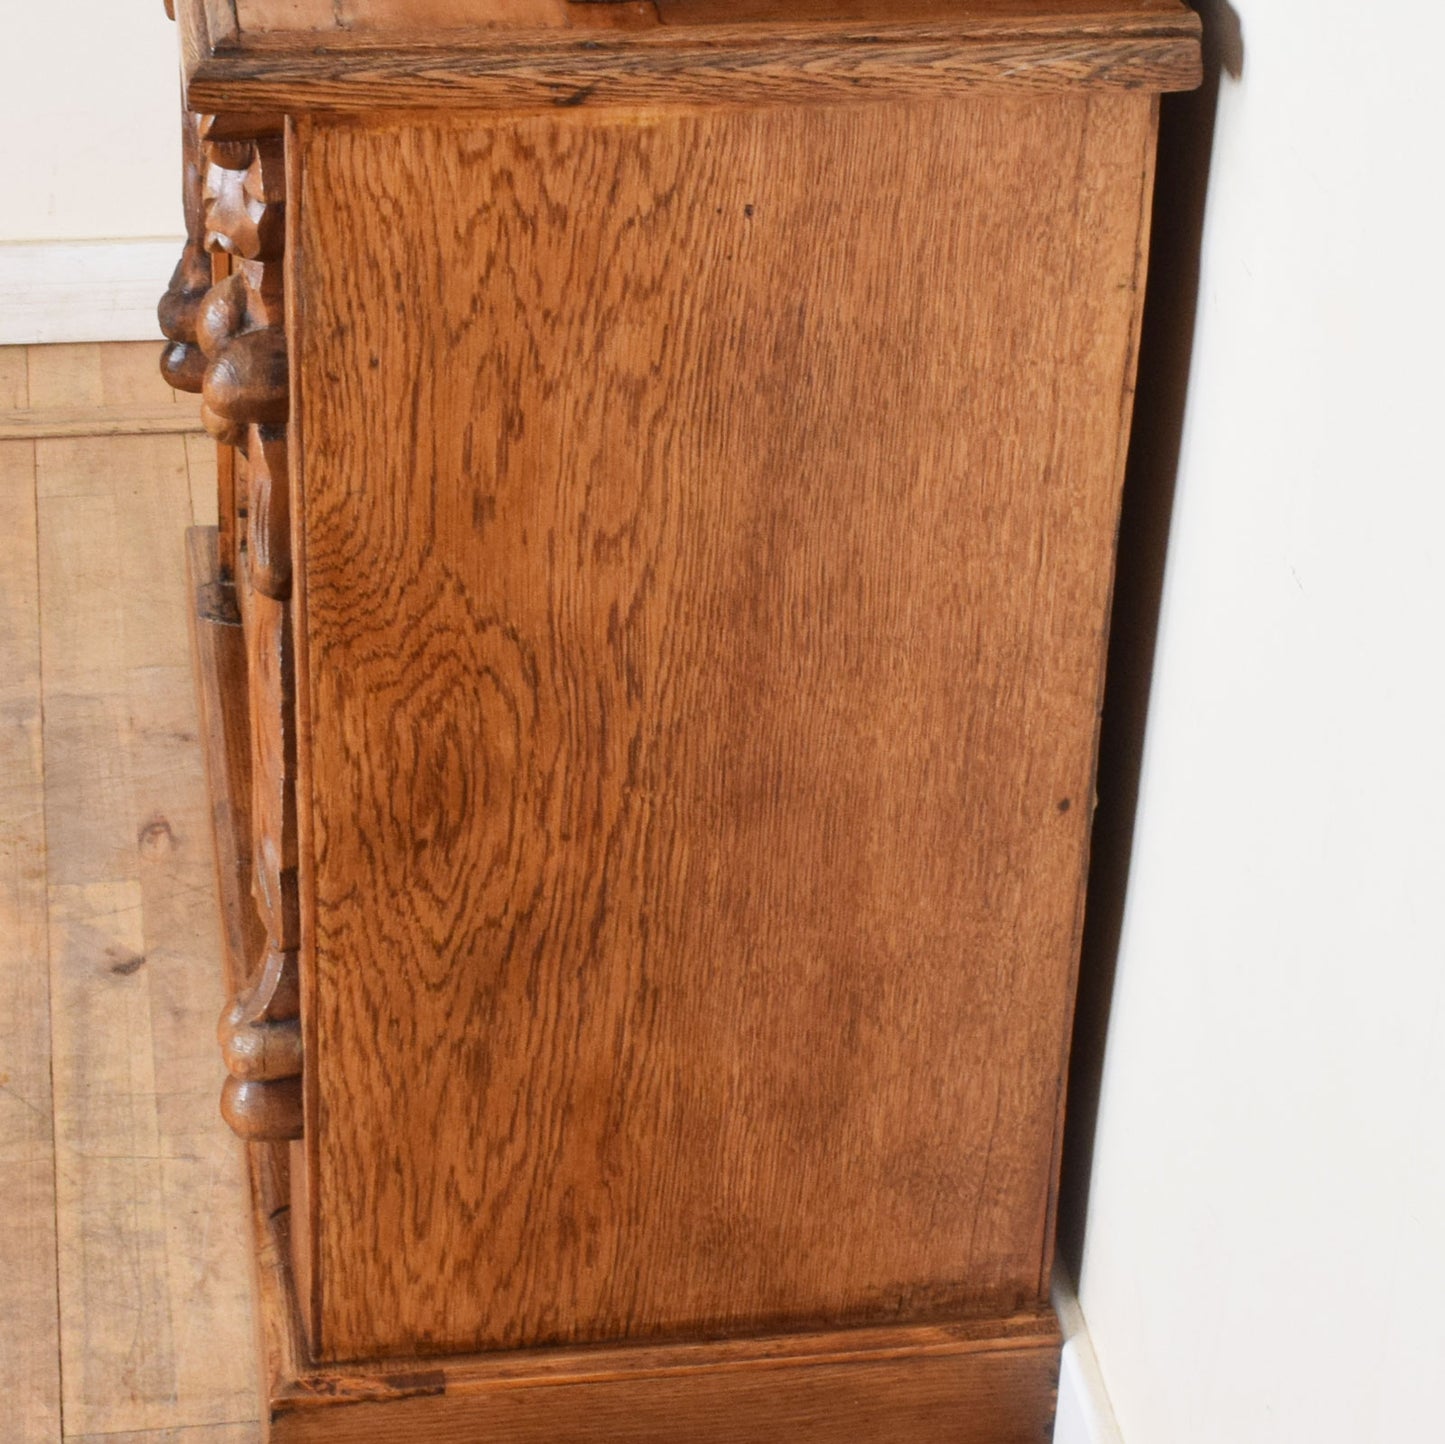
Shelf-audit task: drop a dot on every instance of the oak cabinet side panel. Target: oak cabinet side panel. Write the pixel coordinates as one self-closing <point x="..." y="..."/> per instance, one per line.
<point x="708" y="537"/>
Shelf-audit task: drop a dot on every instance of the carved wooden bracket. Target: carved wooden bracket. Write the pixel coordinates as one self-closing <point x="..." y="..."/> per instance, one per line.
<point x="228" y="342"/>
<point x="241" y="323"/>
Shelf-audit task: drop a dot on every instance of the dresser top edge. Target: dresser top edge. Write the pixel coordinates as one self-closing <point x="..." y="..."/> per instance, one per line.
<point x="253" y="55"/>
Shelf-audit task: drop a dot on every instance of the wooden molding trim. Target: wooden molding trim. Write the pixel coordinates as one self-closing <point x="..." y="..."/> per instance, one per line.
<point x="989" y="1381"/>
<point x="162" y="420"/>
<point x="776" y="58"/>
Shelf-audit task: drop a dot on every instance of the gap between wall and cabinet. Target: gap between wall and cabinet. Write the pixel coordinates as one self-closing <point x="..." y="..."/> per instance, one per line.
<point x="1085" y="1414"/>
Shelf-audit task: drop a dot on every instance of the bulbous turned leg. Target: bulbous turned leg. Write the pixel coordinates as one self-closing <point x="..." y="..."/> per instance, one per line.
<point x="183" y="363"/>
<point x="263" y="1112"/>
<point x="260" y="1036"/>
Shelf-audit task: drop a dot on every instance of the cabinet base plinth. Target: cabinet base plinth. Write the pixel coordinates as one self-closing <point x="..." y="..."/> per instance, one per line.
<point x="905" y="1385"/>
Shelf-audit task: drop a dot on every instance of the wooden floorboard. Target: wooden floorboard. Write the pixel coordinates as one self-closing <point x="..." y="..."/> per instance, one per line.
<point x="96" y="375"/>
<point x="90" y="390"/>
<point x="194" y="1434"/>
<point x="125" y="1310"/>
<point x="14" y="378"/>
<point x="149" y="420"/>
<point x="30" y="1357"/>
<point x="201" y="464"/>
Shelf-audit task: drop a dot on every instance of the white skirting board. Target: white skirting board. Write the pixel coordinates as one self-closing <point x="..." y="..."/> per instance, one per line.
<point x="83" y="290"/>
<point x="1085" y="1415"/>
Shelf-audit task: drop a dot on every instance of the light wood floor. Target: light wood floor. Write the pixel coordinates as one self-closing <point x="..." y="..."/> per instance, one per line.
<point x="125" y="1310"/>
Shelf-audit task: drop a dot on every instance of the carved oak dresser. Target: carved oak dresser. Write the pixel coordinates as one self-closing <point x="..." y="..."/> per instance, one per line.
<point x="650" y="656"/>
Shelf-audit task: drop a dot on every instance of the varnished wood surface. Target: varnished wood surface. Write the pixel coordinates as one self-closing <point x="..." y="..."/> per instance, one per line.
<point x="986" y="1382"/>
<point x="998" y="1391"/>
<point x="381" y="55"/>
<point x="703" y="678"/>
<point x="220" y="661"/>
<point x="991" y="1382"/>
<point x="377" y="23"/>
<point x="219" y="650"/>
<point x="224" y="317"/>
<point x="127" y="1276"/>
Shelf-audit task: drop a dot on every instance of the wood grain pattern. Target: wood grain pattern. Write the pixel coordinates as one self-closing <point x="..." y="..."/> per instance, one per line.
<point x="29" y="1308"/>
<point x="106" y="378"/>
<point x="219" y="650"/>
<point x="377" y="23"/>
<point x="978" y="1383"/>
<point x="236" y="209"/>
<point x="166" y="419"/>
<point x="690" y="54"/>
<point x="101" y="499"/>
<point x="201" y="468"/>
<point x="152" y="1336"/>
<point x="220" y="664"/>
<point x="268" y="513"/>
<point x="14" y="378"/>
<point x="670" y="655"/>
<point x="271" y="693"/>
<point x="998" y="1391"/>
<point x="247" y="1433"/>
<point x="259" y="1033"/>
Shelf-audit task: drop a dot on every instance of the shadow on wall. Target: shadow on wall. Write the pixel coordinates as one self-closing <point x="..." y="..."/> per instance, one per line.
<point x="1186" y="141"/>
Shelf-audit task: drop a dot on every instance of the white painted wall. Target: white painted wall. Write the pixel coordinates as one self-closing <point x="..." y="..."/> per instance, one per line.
<point x="1265" y="1257"/>
<point x="89" y="112"/>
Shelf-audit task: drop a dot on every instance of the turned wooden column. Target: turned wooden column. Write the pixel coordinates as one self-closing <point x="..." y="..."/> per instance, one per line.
<point x="225" y="320"/>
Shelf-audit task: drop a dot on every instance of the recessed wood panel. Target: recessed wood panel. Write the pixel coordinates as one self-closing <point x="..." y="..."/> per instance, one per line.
<point x="707" y="530"/>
